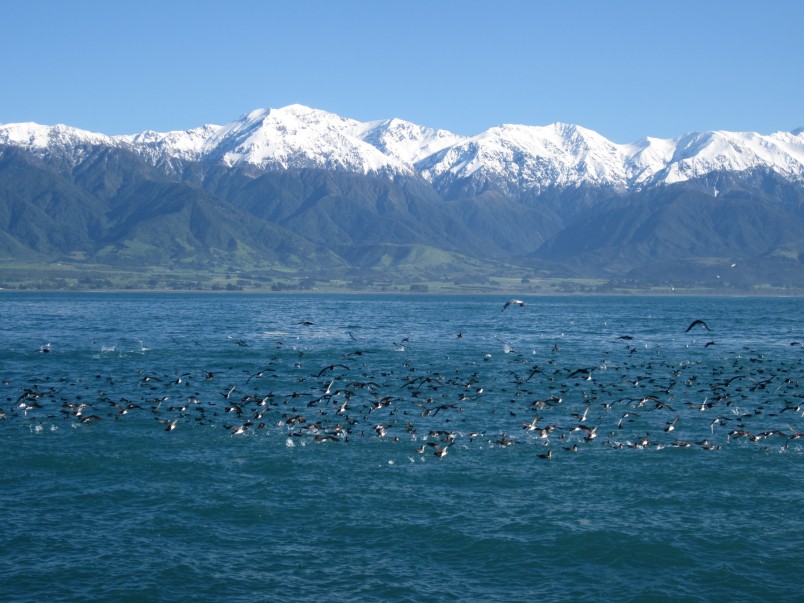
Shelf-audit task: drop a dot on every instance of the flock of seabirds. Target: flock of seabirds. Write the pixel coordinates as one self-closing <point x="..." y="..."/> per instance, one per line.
<point x="635" y="397"/>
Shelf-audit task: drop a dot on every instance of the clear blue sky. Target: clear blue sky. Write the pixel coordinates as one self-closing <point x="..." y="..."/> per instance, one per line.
<point x="626" y="69"/>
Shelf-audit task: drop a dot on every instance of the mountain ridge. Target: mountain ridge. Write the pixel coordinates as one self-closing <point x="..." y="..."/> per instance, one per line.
<point x="512" y="157"/>
<point x="299" y="191"/>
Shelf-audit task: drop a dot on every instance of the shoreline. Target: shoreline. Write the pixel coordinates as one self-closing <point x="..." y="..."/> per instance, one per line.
<point x="403" y="293"/>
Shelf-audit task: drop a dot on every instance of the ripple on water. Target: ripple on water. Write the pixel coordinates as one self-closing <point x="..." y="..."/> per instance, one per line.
<point x="118" y="509"/>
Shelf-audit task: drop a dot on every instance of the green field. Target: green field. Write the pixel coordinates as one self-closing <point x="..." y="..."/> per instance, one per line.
<point x="449" y="278"/>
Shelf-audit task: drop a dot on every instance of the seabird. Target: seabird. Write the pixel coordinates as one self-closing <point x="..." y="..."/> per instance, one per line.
<point x="258" y="374"/>
<point x="532" y="425"/>
<point x="505" y="441"/>
<point x="696" y="323"/>
<point x="581" y="371"/>
<point x="327" y="437"/>
<point x="439" y="451"/>
<point x="513" y="302"/>
<point x="332" y="367"/>
<point x="591" y="432"/>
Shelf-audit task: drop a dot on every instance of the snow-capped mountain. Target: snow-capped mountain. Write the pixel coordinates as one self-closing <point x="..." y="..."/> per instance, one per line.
<point x="274" y="139"/>
<point x="511" y="158"/>
<point x="404" y="140"/>
<point x="189" y="145"/>
<point x="698" y="154"/>
<point x="63" y="141"/>
<point x="514" y="157"/>
<point x="298" y="137"/>
<point x="392" y="195"/>
<point x="271" y="139"/>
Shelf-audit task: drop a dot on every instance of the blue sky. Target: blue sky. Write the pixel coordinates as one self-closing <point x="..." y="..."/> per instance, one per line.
<point x="626" y="69"/>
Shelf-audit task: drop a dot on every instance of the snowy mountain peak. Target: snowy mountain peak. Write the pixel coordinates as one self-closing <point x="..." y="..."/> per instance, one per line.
<point x="71" y="144"/>
<point x="404" y="140"/>
<point x="698" y="154"/>
<point x="35" y="136"/>
<point x="511" y="157"/>
<point x="255" y="115"/>
<point x="189" y="145"/>
<point x="530" y="158"/>
<point x="298" y="137"/>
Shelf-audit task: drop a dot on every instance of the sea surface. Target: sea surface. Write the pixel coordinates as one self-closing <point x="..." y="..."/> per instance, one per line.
<point x="171" y="447"/>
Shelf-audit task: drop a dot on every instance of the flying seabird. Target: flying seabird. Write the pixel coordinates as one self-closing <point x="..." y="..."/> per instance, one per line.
<point x="169" y="425"/>
<point x="513" y="302"/>
<point x="671" y="425"/>
<point x="695" y="323"/>
<point x="438" y="450"/>
<point x="332" y="367"/>
<point x="258" y="374"/>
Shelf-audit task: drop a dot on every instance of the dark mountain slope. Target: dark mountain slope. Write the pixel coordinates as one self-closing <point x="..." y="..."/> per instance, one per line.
<point x="339" y="209"/>
<point x="115" y="208"/>
<point x="42" y="212"/>
<point x="648" y="231"/>
<point x="112" y="207"/>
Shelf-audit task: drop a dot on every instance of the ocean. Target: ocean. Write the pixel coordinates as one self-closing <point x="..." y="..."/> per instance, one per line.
<point x="201" y="447"/>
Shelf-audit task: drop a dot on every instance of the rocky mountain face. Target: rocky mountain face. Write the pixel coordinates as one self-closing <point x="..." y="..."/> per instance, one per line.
<point x="301" y="189"/>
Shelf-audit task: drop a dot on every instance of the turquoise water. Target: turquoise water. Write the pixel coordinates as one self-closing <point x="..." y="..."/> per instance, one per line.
<point x="274" y="483"/>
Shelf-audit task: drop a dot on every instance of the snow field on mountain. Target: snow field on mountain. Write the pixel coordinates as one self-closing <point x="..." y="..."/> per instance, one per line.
<point x="512" y="157"/>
